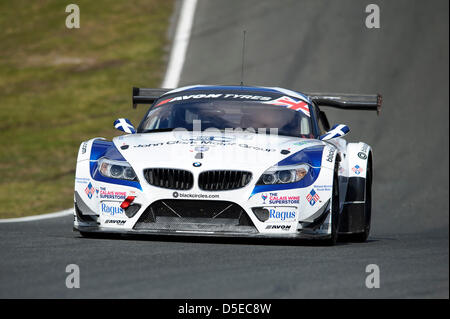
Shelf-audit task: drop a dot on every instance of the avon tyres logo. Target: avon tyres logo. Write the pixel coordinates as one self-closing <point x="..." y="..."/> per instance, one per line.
<point x="281" y="215"/>
<point x="214" y="96"/>
<point x="282" y="227"/>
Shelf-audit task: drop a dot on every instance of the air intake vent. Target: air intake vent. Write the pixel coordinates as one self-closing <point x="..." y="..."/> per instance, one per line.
<point x="195" y="216"/>
<point x="223" y="180"/>
<point x="169" y="178"/>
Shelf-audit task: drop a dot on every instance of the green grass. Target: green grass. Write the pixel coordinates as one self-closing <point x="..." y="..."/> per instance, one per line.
<point x="61" y="86"/>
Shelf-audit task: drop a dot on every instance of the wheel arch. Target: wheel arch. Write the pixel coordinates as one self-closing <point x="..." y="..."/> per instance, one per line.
<point x="359" y="164"/>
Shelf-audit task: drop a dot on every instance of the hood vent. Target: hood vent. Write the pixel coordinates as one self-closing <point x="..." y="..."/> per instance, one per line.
<point x="169" y="178"/>
<point x="221" y="180"/>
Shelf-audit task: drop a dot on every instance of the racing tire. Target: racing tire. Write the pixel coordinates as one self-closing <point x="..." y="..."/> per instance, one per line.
<point x="334" y="212"/>
<point x="362" y="236"/>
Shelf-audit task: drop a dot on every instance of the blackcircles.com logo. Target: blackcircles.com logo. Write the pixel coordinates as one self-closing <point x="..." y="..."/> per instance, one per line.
<point x="188" y="195"/>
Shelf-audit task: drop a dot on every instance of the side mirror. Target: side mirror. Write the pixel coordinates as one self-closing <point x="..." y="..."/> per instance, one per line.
<point x="124" y="125"/>
<point x="337" y="130"/>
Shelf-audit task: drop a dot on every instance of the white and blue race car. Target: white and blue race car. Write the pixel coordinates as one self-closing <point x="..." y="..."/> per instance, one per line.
<point x="228" y="161"/>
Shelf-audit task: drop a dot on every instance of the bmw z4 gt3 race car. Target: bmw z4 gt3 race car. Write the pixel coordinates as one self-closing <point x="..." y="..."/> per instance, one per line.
<point x="228" y="161"/>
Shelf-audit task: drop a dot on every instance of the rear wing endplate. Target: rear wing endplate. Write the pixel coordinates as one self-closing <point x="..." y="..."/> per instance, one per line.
<point x="146" y="96"/>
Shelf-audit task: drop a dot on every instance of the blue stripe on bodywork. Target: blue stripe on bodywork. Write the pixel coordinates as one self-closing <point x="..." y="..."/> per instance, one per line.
<point x="102" y="148"/>
<point x="312" y="156"/>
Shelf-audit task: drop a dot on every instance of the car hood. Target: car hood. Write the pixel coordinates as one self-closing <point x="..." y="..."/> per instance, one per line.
<point x="243" y="151"/>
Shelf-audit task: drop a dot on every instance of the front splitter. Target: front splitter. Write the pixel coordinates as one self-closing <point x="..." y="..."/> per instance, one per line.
<point x="115" y="231"/>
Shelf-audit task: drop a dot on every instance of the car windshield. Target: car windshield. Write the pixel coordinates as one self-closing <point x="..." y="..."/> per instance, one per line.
<point x="227" y="114"/>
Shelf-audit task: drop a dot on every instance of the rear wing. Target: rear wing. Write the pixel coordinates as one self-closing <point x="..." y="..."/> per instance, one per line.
<point x="366" y="102"/>
<point x="146" y="96"/>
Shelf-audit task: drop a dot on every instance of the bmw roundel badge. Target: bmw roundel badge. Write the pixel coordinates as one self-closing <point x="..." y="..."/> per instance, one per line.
<point x="197" y="164"/>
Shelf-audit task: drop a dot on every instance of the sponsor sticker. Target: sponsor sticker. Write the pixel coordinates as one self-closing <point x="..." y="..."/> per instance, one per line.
<point x="257" y="148"/>
<point x="281" y="214"/>
<point x="357" y="169"/>
<point x="111" y="208"/>
<point x="291" y="103"/>
<point x="209" y="141"/>
<point x="362" y="155"/>
<point x="118" y="222"/>
<point x="282" y="227"/>
<point x="364" y="148"/>
<point x="214" y="96"/>
<point x="81" y="180"/>
<point x="264" y="197"/>
<point x="330" y="154"/>
<point x="312" y="197"/>
<point x="202" y="148"/>
<point x="323" y="188"/>
<point x="190" y="195"/>
<point x="209" y="138"/>
<point x="83" y="148"/>
<point x="105" y="194"/>
<point x="301" y="143"/>
<point x="274" y="199"/>
<point x="89" y="190"/>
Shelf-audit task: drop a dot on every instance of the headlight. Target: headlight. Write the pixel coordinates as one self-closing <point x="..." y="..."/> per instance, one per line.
<point x="283" y="174"/>
<point x="116" y="169"/>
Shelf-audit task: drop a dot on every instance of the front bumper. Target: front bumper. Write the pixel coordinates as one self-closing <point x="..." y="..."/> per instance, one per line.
<point x="197" y="218"/>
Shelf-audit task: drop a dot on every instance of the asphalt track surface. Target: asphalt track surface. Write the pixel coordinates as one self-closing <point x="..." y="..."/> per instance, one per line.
<point x="309" y="46"/>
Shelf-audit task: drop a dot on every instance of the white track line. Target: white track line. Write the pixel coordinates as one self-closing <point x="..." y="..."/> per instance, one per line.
<point x="38" y="217"/>
<point x="171" y="79"/>
<point x="180" y="44"/>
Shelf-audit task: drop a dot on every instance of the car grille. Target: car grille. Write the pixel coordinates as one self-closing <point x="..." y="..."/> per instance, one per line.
<point x="195" y="215"/>
<point x="169" y="178"/>
<point x="219" y="180"/>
